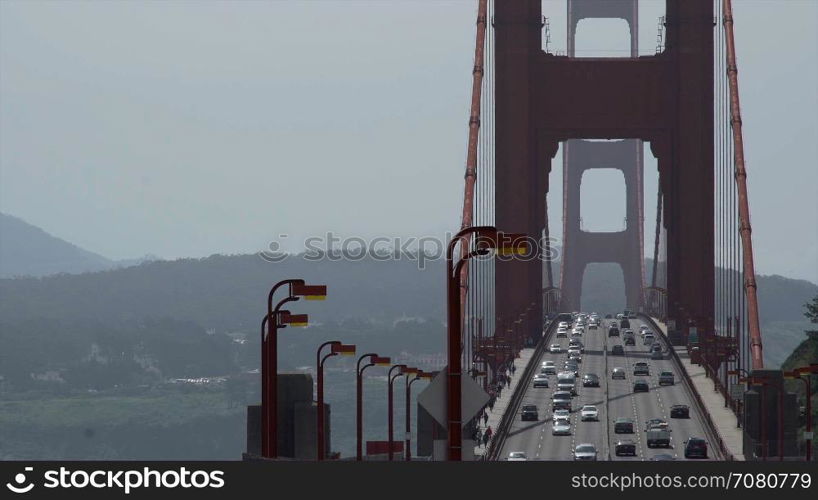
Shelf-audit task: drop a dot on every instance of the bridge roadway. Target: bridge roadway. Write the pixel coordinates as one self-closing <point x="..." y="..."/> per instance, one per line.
<point x="613" y="398"/>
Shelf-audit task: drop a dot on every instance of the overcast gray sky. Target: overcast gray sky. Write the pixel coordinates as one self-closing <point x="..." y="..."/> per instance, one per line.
<point x="199" y="127"/>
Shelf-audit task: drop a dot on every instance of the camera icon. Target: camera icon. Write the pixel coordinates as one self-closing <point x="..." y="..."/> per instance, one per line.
<point x="20" y="479"/>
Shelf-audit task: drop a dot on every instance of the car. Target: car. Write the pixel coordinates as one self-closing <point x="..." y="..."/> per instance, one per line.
<point x="627" y="333"/>
<point x="573" y="350"/>
<point x="680" y="411"/>
<point x="695" y="447"/>
<point x="585" y="451"/>
<point x="614" y="324"/>
<point x="618" y="373"/>
<point x="517" y="456"/>
<point x="567" y="381"/>
<point x="657" y="354"/>
<point x="575" y="356"/>
<point x="561" y="400"/>
<point x="608" y="316"/>
<point x="656" y="423"/>
<point x="655" y="346"/>
<point x="666" y="378"/>
<point x="571" y="366"/>
<point x="613" y="331"/>
<point x="642" y="328"/>
<point x="548" y="370"/>
<point x="641" y="368"/>
<point x="563" y="324"/>
<point x="620" y="316"/>
<point x="562" y="332"/>
<point x="577" y="345"/>
<point x="540" y="380"/>
<point x="561" y="427"/>
<point x="623" y="425"/>
<point x="529" y="412"/>
<point x="648" y="339"/>
<point x="663" y="457"/>
<point x="641" y="385"/>
<point x="658" y="437"/>
<point x="593" y="326"/>
<point x="577" y="332"/>
<point x="629" y="341"/>
<point x="618" y="350"/>
<point x="625" y="447"/>
<point x="555" y="349"/>
<point x="624" y="323"/>
<point x="590" y="380"/>
<point x="589" y="413"/>
<point x="562" y="414"/>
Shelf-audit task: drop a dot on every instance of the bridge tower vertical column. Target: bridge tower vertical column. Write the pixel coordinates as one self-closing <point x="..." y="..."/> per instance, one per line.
<point x="518" y="185"/>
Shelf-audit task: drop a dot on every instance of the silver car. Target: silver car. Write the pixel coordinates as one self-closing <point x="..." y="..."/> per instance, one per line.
<point x="561" y="427"/>
<point x="585" y="451"/>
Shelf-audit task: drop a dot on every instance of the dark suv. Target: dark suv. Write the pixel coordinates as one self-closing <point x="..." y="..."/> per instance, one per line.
<point x="679" y="411"/>
<point x="613" y="331"/>
<point x="623" y="426"/>
<point x="641" y="385"/>
<point x="625" y="447"/>
<point x="695" y="448"/>
<point x="618" y="350"/>
<point x="530" y="412"/>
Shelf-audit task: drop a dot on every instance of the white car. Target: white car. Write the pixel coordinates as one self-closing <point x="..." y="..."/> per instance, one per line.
<point x="561" y="427"/>
<point x="585" y="451"/>
<point x="561" y="415"/>
<point x="540" y="380"/>
<point x="555" y="349"/>
<point x="642" y="328"/>
<point x="563" y="325"/>
<point x="517" y="456"/>
<point x="548" y="368"/>
<point x="589" y="413"/>
<point x="578" y="331"/>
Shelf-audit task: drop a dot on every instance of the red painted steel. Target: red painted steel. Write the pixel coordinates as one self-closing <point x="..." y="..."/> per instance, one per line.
<point x="743" y="202"/>
<point x="471" y="154"/>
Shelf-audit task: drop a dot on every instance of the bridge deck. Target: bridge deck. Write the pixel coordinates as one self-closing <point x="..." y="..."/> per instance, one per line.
<point x="614" y="398"/>
<point x="723" y="418"/>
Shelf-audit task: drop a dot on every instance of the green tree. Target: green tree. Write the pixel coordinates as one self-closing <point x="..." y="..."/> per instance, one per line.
<point x="812" y="316"/>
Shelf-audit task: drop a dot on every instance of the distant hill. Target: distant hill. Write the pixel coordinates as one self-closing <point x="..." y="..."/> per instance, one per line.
<point x="27" y="250"/>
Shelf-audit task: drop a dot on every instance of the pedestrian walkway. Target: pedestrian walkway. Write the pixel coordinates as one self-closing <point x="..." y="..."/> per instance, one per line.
<point x="502" y="402"/>
<point x="722" y="417"/>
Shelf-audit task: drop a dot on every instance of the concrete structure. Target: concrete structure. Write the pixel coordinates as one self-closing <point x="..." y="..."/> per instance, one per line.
<point x="296" y="420"/>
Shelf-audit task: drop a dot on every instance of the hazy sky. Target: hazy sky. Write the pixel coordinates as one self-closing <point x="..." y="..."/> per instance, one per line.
<point x="200" y="127"/>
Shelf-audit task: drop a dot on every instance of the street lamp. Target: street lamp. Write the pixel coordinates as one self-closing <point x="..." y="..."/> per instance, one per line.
<point x="373" y="360"/>
<point x="269" y="356"/>
<point x="390" y="403"/>
<point x="486" y="238"/>
<point x="796" y="374"/>
<point x="418" y="376"/>
<point x="336" y="347"/>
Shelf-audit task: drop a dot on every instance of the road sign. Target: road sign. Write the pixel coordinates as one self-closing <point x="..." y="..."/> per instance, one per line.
<point x="433" y="398"/>
<point x="737" y="391"/>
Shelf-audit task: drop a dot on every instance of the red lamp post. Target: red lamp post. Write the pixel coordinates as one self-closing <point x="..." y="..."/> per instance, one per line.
<point x="336" y="347"/>
<point x="485" y="239"/>
<point x="269" y="357"/>
<point x="390" y="405"/>
<point x="418" y="376"/>
<point x="373" y="360"/>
